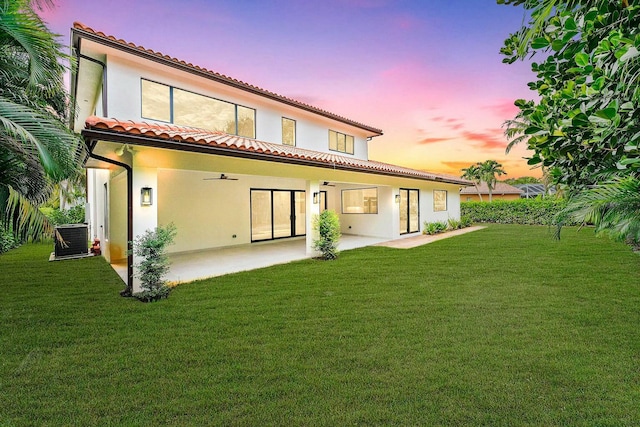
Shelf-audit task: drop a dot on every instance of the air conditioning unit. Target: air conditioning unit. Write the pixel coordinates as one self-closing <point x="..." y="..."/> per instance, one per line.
<point x="75" y="240"/>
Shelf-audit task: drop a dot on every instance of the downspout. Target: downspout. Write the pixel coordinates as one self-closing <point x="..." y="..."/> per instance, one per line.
<point x="128" y="291"/>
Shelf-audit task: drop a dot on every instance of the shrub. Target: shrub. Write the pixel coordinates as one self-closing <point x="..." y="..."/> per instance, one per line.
<point x="74" y="215"/>
<point x="454" y="224"/>
<point x="7" y="240"/>
<point x="434" y="227"/>
<point x="465" y="221"/>
<point x="151" y="246"/>
<point x="539" y="211"/>
<point x="328" y="226"/>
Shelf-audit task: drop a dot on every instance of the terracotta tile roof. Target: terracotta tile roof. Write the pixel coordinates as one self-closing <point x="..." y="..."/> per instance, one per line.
<point x="186" y="138"/>
<point x="88" y="32"/>
<point x="501" y="188"/>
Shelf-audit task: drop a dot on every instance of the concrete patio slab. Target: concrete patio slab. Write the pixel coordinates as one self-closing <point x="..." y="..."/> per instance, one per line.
<point x="424" y="239"/>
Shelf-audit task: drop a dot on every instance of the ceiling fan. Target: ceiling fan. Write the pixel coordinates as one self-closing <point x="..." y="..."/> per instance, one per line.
<point x="223" y="177"/>
<point x="328" y="184"/>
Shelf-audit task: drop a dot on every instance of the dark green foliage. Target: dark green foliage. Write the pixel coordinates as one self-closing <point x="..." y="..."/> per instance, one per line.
<point x="522" y="180"/>
<point x="499" y="327"/>
<point x="37" y="149"/>
<point x="8" y="240"/>
<point x="539" y="211"/>
<point x="328" y="226"/>
<point x="586" y="120"/>
<point x="56" y="216"/>
<point x="151" y="247"/>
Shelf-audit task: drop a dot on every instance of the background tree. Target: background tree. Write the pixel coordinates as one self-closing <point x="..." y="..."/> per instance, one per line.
<point x="472" y="173"/>
<point x="585" y="128"/>
<point x="489" y="171"/>
<point x="36" y="148"/>
<point x="522" y="180"/>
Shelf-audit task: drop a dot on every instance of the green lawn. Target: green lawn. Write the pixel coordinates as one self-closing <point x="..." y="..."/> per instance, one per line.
<point x="503" y="326"/>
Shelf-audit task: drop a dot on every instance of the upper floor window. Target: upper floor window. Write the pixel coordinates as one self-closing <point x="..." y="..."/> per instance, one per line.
<point x="288" y="131"/>
<point x="439" y="200"/>
<point x="362" y="200"/>
<point x="174" y="105"/>
<point x="340" y="142"/>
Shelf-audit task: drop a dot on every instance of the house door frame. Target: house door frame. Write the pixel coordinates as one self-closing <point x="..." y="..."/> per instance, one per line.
<point x="409" y="217"/>
<point x="294" y="208"/>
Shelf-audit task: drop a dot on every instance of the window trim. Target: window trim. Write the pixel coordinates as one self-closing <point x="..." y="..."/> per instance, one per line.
<point x="171" y="110"/>
<point x="364" y="205"/>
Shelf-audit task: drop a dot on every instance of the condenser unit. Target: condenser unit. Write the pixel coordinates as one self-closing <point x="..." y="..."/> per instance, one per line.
<point x="75" y="240"/>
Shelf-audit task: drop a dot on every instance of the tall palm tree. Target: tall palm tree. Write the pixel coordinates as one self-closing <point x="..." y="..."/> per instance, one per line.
<point x="36" y="148"/>
<point x="489" y="169"/>
<point x="472" y="173"/>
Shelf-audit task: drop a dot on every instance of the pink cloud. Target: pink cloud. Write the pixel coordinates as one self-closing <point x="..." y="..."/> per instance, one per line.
<point x="433" y="140"/>
<point x="486" y="140"/>
<point x="504" y="108"/>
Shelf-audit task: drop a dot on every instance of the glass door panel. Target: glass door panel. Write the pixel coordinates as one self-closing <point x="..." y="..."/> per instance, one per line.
<point x="414" y="211"/>
<point x="404" y="211"/>
<point x="323" y="201"/>
<point x="282" y="214"/>
<point x="261" y="224"/>
<point x="300" y="219"/>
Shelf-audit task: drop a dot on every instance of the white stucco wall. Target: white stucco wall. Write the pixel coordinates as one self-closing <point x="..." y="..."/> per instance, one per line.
<point x="116" y="240"/>
<point x="209" y="213"/>
<point x="312" y="131"/>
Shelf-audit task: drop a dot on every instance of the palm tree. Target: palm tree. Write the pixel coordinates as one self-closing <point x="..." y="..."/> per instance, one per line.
<point x="472" y="173"/>
<point x="488" y="171"/>
<point x="613" y="207"/>
<point x="36" y="148"/>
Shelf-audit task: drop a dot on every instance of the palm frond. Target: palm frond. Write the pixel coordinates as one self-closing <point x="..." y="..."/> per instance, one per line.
<point x="613" y="207"/>
<point x="26" y="219"/>
<point x="22" y="28"/>
<point x="42" y="136"/>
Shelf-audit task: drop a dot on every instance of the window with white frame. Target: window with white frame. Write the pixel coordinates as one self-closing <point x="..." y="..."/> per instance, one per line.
<point x="171" y="104"/>
<point x="439" y="200"/>
<point x="341" y="142"/>
<point x="360" y="201"/>
<point x="288" y="131"/>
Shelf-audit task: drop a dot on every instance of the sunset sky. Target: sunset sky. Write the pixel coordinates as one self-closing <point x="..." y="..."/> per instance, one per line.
<point x="427" y="72"/>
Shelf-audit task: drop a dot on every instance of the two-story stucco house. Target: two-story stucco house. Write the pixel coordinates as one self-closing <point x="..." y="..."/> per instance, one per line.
<point x="227" y="162"/>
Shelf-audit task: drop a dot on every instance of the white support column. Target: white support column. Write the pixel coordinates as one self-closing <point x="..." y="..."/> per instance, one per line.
<point x="395" y="213"/>
<point x="313" y="209"/>
<point x="144" y="217"/>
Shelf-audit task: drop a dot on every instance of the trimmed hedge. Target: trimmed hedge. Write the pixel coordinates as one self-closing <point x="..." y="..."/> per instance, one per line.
<point x="524" y="211"/>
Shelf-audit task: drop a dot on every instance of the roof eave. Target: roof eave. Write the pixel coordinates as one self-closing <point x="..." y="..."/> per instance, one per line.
<point x="93" y="134"/>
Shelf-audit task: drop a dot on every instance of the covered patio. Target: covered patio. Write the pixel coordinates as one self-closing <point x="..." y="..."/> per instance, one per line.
<point x="194" y="265"/>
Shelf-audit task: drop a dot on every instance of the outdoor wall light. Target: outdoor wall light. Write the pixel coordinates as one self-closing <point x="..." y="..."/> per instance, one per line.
<point x="146" y="196"/>
<point x="397" y="198"/>
<point x="315" y="198"/>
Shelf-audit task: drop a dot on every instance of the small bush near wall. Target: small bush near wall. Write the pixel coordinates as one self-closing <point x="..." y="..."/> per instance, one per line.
<point x="523" y="211"/>
<point x="328" y="226"/>
<point x="151" y="247"/>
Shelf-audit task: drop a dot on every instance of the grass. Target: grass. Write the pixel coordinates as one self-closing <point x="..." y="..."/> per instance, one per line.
<point x="503" y="326"/>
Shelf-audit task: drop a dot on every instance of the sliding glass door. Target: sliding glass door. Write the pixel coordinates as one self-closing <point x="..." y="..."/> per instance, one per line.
<point x="277" y="214"/>
<point x="409" y="211"/>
